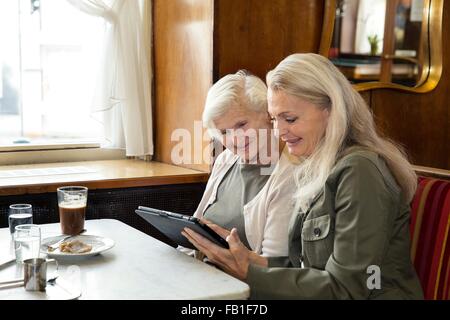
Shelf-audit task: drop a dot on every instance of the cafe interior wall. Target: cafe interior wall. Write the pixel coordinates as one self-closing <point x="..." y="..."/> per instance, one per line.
<point x="419" y="121"/>
<point x="188" y="62"/>
<point x="197" y="42"/>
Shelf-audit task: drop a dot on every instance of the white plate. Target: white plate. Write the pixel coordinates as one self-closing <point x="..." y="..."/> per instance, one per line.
<point x="99" y="245"/>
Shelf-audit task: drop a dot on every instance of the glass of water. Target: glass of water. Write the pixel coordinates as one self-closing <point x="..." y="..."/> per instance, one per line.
<point x="19" y="214"/>
<point x="27" y="242"/>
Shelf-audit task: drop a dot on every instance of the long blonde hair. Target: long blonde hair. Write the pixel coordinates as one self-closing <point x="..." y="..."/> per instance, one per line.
<point x="315" y="79"/>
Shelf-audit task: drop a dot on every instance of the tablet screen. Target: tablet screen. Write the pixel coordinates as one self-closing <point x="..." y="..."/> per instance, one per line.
<point x="171" y="224"/>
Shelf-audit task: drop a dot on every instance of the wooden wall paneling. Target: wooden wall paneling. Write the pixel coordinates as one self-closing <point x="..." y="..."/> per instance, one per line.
<point x="198" y="41"/>
<point x="446" y="89"/>
<point x="420" y="122"/>
<point x="367" y="95"/>
<point x="183" y="70"/>
<point x="258" y="34"/>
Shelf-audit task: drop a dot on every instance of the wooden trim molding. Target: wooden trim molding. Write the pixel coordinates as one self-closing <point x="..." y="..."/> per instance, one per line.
<point x="432" y="172"/>
<point x="328" y="26"/>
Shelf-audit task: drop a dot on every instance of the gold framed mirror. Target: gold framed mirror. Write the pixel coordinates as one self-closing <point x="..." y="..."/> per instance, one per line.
<point x="385" y="43"/>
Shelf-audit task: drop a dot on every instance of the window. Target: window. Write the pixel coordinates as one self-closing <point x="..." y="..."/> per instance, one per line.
<point x="49" y="57"/>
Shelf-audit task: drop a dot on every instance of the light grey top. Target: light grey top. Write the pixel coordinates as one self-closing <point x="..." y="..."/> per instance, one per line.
<point x="240" y="185"/>
<point x="137" y="267"/>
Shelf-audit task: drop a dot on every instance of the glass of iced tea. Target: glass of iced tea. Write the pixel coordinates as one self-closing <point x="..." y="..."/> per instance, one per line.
<point x="72" y="209"/>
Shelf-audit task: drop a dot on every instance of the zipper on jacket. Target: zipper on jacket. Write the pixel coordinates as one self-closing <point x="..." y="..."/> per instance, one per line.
<point x="302" y="255"/>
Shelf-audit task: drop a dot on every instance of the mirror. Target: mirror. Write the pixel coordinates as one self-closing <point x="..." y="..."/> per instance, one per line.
<point x="388" y="43"/>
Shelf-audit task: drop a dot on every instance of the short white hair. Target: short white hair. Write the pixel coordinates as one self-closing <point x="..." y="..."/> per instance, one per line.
<point x="239" y="89"/>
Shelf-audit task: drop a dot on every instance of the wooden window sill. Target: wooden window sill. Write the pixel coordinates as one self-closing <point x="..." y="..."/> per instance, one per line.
<point x="111" y="174"/>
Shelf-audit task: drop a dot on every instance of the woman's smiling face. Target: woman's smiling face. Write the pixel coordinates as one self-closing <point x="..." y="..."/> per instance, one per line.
<point x="301" y="124"/>
<point x="240" y="128"/>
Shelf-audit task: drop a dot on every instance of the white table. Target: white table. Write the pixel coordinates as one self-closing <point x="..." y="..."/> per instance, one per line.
<point x="137" y="267"/>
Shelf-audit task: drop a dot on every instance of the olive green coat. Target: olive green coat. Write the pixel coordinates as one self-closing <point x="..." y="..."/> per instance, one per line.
<point x="356" y="224"/>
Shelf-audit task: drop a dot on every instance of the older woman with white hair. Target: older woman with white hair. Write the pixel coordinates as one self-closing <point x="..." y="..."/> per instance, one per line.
<point x="241" y="193"/>
<point x="349" y="235"/>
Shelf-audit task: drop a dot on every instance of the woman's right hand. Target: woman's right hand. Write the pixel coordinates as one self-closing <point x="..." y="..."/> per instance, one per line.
<point x="235" y="260"/>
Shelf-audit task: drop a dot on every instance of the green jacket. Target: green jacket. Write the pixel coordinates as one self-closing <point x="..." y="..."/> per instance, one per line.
<point x="357" y="223"/>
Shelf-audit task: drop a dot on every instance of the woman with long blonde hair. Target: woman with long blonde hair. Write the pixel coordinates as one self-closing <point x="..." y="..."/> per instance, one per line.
<point x="349" y="235"/>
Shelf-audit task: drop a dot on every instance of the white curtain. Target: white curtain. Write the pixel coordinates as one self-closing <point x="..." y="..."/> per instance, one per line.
<point x="123" y="93"/>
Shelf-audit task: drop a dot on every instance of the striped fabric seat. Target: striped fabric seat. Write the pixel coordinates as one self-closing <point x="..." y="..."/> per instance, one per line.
<point x="430" y="248"/>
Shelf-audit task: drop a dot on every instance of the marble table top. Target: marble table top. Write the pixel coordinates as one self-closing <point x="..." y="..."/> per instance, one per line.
<point x="137" y="267"/>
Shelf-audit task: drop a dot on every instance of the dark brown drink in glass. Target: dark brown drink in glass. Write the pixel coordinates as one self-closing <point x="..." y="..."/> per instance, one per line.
<point x="72" y="209"/>
<point x="72" y="219"/>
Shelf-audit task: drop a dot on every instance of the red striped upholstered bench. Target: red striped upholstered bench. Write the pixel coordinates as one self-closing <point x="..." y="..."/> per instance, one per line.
<point x="430" y="234"/>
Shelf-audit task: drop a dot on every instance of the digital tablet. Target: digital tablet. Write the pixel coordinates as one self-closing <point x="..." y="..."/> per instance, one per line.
<point x="171" y="224"/>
